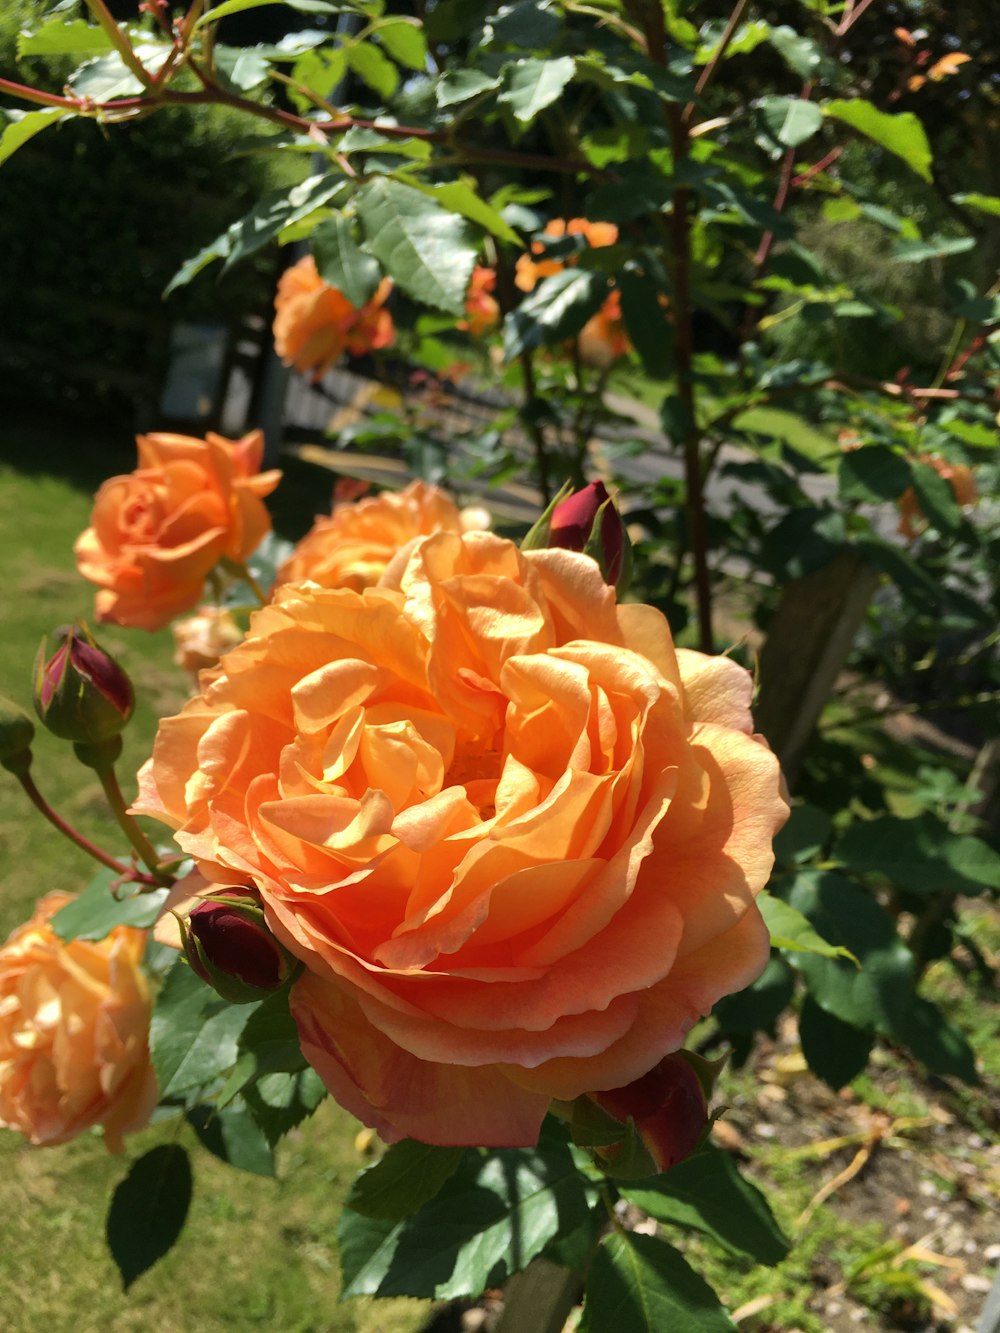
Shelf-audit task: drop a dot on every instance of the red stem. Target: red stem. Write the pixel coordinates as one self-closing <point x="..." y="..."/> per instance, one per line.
<point x="67" y="830"/>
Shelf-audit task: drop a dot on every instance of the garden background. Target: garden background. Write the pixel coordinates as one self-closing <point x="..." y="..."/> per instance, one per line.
<point x="809" y="354"/>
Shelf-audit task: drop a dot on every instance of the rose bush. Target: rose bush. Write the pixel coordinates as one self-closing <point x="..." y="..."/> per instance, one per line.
<point x="157" y="532"/>
<point x="351" y="547"/>
<point x="74" y="1025"/>
<point x="315" y="324"/>
<point x="513" y="835"/>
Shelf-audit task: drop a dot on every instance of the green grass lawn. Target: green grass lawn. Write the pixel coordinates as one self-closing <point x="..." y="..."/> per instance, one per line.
<point x="256" y="1252"/>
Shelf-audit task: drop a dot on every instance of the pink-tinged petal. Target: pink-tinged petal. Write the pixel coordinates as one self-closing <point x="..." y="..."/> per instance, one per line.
<point x="400" y="1096"/>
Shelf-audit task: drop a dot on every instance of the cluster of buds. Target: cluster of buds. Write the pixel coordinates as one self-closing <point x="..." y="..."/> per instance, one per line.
<point x="586" y="520"/>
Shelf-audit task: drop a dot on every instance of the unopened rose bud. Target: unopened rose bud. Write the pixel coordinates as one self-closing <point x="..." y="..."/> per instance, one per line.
<point x="17" y="731"/>
<point x="588" y="521"/>
<point x="668" y="1108"/>
<point x="81" y="693"/>
<point x="227" y="942"/>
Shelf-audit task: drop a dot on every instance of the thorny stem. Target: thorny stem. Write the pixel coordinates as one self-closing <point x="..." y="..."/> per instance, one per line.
<point x="707" y="74"/>
<point x="74" y="835"/>
<point x="119" y="40"/>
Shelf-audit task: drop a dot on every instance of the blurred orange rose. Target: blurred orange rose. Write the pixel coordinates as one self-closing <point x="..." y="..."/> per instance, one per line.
<point x="201" y="639"/>
<point x="352" y="547"/>
<point x="514" y="836"/>
<point x="74" y="1027"/>
<point x="482" y="312"/>
<point x="157" y="532"/>
<point x="959" y="478"/>
<point x="603" y="339"/>
<point x="529" y="272"/>
<point x="314" y="323"/>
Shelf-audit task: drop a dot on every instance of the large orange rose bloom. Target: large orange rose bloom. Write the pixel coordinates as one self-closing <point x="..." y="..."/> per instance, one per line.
<point x="74" y="1028"/>
<point x="514" y="836"/>
<point x="351" y="547"/>
<point x="315" y="324"/>
<point x="157" y="532"/>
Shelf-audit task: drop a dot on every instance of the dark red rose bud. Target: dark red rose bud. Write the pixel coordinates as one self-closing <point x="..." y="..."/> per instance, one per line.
<point x="588" y="521"/>
<point x="227" y="942"/>
<point x="667" y="1106"/>
<point x="81" y="693"/>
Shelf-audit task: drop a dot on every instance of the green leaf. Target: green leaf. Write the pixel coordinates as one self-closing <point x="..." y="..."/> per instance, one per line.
<point x="557" y="309"/>
<point x="268" y="1044"/>
<point x="373" y="67"/>
<point x="641" y="1284"/>
<point x="193" y="1034"/>
<point x="935" y="247"/>
<point x="404" y="40"/>
<point x="758" y="1007"/>
<point x="647" y="324"/>
<point x="802" y="56"/>
<point x="900" y="133"/>
<point x="789" y="120"/>
<point x="707" y="1193"/>
<point x="804" y="835"/>
<point x="241" y="69"/>
<point x="277" y="211"/>
<point x="532" y="84"/>
<point x="790" y="930"/>
<point x="935" y="1041"/>
<point x="341" y="261"/>
<point x="96" y="912"/>
<point x="921" y="855"/>
<point x="21" y="126"/>
<point x="984" y="203"/>
<point x="423" y="247"/>
<point x="460" y="197"/>
<point x="301" y="6"/>
<point x="403" y="1180"/>
<point x="936" y="498"/>
<point x="489" y="1220"/>
<point x="529" y="24"/>
<point x="107" y="76"/>
<point x="458" y="85"/>
<point x="58" y="37"/>
<point x="834" y="1050"/>
<point x="872" y="473"/>
<point x="148" y="1210"/>
<point x="279" y="1102"/>
<point x="233" y="1135"/>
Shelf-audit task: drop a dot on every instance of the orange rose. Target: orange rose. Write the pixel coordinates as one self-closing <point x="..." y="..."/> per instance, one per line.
<point x="352" y="547"/>
<point x="157" y="532"/>
<point x="514" y="836"/>
<point x="603" y="339"/>
<point x="74" y="1027"/>
<point x="528" y="272"/>
<point x="959" y="478"/>
<point x="314" y="323"/>
<point x="202" y="639"/>
<point x="481" y="310"/>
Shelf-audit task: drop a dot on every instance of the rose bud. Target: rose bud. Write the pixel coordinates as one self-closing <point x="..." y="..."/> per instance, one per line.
<point x="668" y="1109"/>
<point x="588" y="521"/>
<point x="81" y="693"/>
<point x="17" y="731"/>
<point x="227" y="942"/>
